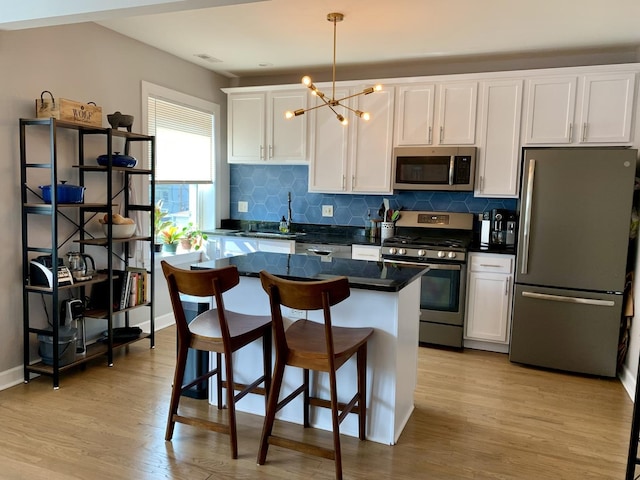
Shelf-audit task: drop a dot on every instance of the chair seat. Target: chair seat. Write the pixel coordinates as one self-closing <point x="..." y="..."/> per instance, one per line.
<point x="243" y="329"/>
<point x="306" y="342"/>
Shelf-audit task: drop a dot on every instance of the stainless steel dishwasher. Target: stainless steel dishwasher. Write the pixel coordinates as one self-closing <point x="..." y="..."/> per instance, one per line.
<point x="323" y="250"/>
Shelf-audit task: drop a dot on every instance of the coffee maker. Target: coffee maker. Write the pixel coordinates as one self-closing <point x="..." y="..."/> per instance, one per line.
<point x="502" y="227"/>
<point x="498" y="228"/>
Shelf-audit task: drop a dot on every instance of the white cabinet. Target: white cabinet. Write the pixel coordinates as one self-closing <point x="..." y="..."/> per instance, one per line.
<point x="499" y="139"/>
<point x="457" y="113"/>
<point x="600" y="113"/>
<point x="489" y="299"/>
<point x="276" y="246"/>
<point x="455" y="123"/>
<point x="607" y="108"/>
<point x="365" y="252"/>
<point x="355" y="158"/>
<point x="231" y="246"/>
<point x="258" y="131"/>
<point x="414" y="114"/>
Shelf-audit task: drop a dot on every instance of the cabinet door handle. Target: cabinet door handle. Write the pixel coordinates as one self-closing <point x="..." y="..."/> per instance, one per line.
<point x="353" y="181"/>
<point x="584" y="132"/>
<point x="481" y="183"/>
<point x="344" y="182"/>
<point x="429" y="134"/>
<point x="489" y="265"/>
<point x="270" y="151"/>
<point x="507" y="284"/>
<point x="570" y="132"/>
<point x="441" y="133"/>
<point x="261" y="152"/>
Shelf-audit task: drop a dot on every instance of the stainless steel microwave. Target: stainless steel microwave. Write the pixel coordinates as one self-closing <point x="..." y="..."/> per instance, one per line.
<point x="434" y="168"/>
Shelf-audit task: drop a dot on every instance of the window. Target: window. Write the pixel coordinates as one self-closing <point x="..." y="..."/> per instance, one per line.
<point x="187" y="150"/>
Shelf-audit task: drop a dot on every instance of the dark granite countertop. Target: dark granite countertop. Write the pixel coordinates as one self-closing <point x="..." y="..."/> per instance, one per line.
<point x="307" y="233"/>
<point x="476" y="247"/>
<point x="362" y="274"/>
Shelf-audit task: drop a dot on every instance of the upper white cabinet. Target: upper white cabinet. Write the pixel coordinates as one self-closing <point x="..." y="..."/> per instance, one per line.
<point x="455" y="122"/>
<point x="258" y="131"/>
<point x="592" y="108"/>
<point x="499" y="138"/>
<point x="550" y="109"/>
<point x="414" y="114"/>
<point x="355" y="158"/>
<point x="457" y="113"/>
<point x="607" y="107"/>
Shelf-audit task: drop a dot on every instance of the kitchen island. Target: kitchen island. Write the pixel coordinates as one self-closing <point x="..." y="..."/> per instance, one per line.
<point x="384" y="297"/>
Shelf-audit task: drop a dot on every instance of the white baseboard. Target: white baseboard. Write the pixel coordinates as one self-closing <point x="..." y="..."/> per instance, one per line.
<point x="628" y="380"/>
<point x="14" y="376"/>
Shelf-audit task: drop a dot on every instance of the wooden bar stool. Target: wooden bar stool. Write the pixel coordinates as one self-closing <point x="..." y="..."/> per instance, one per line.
<point x="216" y="330"/>
<point x="313" y="346"/>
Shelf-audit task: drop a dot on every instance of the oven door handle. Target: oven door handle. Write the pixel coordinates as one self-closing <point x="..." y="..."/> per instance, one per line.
<point x="430" y="266"/>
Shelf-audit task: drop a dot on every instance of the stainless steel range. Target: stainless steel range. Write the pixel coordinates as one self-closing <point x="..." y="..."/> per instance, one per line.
<point x="439" y="240"/>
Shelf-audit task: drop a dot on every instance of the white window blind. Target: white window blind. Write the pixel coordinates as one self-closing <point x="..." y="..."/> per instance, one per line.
<point x="184" y="142"/>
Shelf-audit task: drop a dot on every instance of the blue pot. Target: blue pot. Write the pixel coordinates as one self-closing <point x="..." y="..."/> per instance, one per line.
<point x="65" y="193"/>
<point x="117" y="160"/>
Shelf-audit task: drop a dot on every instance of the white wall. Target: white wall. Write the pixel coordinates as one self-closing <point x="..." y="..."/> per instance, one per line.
<point x="80" y="62"/>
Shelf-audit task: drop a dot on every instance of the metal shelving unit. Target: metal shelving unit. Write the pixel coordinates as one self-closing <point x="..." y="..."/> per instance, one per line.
<point x="75" y="218"/>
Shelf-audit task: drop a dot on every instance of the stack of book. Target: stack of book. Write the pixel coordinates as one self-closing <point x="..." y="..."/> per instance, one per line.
<point x="134" y="287"/>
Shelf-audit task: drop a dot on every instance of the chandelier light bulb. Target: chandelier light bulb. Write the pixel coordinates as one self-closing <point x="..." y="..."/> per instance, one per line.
<point x="306" y="80"/>
<point x="378" y="87"/>
<point x="288" y="114"/>
<point x="365" y="116"/>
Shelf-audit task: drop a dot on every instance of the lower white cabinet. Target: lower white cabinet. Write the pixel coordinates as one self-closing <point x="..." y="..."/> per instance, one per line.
<point x="365" y="252"/>
<point x="230" y="246"/>
<point x="489" y="299"/>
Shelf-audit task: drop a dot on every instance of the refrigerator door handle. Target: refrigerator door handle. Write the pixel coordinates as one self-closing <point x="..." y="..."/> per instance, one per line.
<point x="526" y="227"/>
<point x="561" y="298"/>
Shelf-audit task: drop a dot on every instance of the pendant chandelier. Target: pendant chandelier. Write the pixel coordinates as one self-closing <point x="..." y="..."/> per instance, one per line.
<point x="333" y="102"/>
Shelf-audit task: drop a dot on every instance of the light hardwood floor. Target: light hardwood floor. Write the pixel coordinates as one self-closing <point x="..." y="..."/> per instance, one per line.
<point x="477" y="416"/>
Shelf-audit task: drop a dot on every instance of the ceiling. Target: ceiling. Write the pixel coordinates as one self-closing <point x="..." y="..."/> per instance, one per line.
<point x="244" y="38"/>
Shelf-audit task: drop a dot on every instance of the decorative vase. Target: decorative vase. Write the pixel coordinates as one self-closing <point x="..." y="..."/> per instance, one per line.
<point x="170" y="247"/>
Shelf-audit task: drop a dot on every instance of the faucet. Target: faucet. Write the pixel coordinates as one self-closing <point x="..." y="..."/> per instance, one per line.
<point x="289" y="211"/>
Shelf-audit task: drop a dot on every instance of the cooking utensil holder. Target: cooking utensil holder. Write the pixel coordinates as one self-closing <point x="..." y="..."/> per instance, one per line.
<point x="387" y="230"/>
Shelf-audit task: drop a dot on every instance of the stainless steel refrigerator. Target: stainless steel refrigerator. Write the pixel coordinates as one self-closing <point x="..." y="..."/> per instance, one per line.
<point x="572" y="250"/>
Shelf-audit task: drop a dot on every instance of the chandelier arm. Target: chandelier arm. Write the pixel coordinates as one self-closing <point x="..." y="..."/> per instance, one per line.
<point x="317" y="106"/>
<point x="350" y="96"/>
<point x="349" y="108"/>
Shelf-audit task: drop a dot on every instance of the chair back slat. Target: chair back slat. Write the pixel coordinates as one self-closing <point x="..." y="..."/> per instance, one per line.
<point x="307" y="295"/>
<point x="199" y="283"/>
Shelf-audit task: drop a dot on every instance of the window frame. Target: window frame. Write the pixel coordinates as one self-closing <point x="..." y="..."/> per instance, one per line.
<point x="218" y="193"/>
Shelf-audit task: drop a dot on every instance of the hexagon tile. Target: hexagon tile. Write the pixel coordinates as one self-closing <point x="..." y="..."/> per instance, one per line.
<point x="265" y="189"/>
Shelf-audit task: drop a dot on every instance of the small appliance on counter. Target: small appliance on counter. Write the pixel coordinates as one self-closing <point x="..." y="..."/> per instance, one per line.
<point x="498" y="228"/>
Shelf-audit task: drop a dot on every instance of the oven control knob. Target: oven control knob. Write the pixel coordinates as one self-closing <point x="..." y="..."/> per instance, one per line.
<point x="393" y="251"/>
<point x="422" y="253"/>
<point x="402" y="251"/>
<point x="451" y="255"/>
<point x="441" y="254"/>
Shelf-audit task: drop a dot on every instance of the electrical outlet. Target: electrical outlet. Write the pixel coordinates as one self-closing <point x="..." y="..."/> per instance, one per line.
<point x="243" y="207"/>
<point x="327" y="210"/>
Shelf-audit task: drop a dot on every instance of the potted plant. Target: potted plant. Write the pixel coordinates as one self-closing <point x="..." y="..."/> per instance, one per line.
<point x="159" y="224"/>
<point x="170" y="236"/>
<point x="193" y="237"/>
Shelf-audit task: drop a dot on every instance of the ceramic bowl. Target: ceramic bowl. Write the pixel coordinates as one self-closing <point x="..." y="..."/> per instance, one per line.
<point x="120" y="231"/>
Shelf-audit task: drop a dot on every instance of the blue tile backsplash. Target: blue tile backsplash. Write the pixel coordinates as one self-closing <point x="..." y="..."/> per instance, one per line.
<point x="265" y="189"/>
